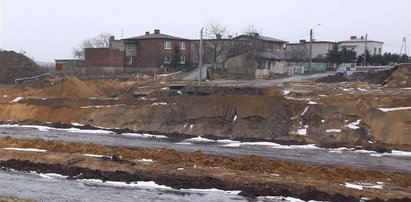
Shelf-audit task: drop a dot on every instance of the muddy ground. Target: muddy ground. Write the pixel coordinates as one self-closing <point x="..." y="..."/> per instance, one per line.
<point x="363" y="114"/>
<point x="252" y="175"/>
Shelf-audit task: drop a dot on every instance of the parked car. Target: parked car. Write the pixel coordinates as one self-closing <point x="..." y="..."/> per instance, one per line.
<point x="342" y="71"/>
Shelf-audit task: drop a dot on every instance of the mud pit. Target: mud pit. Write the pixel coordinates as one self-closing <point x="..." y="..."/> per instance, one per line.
<point x="252" y="175"/>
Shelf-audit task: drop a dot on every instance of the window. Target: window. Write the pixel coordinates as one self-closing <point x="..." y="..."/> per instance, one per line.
<point x="379" y="51"/>
<point x="167" y="45"/>
<point x="182" y="45"/>
<point x="183" y="59"/>
<point x="375" y="50"/>
<point x="167" y="60"/>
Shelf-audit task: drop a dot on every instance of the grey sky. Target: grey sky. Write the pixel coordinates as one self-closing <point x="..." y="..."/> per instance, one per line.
<point x="50" y="29"/>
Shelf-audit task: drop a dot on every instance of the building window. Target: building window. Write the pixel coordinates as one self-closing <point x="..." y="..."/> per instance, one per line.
<point x="182" y="45"/>
<point x="167" y="60"/>
<point x="167" y="45"/>
<point x="379" y="51"/>
<point x="182" y="59"/>
<point x="375" y="50"/>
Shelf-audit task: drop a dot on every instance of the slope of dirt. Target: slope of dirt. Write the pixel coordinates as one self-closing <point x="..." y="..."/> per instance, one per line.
<point x="332" y="79"/>
<point x="16" y="65"/>
<point x="253" y="175"/>
<point x="71" y="87"/>
<point x="401" y="77"/>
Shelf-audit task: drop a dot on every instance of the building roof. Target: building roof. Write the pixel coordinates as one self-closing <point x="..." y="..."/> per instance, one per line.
<point x="155" y="36"/>
<point x="270" y="56"/>
<point x="264" y="38"/>
<point x="308" y="42"/>
<point x="359" y="41"/>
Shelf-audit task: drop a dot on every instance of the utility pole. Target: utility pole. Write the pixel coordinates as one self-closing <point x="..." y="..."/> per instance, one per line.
<point x="310" y="60"/>
<point x="365" y="50"/>
<point x="200" y="62"/>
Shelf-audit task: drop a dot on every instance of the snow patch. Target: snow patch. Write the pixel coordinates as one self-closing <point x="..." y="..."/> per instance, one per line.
<point x="354" y="125"/>
<point x="159" y="103"/>
<point x="17" y="99"/>
<point x="362" y="89"/>
<point x="145" y="160"/>
<point x="101" y="106"/>
<point x="333" y="130"/>
<point x="212" y="190"/>
<point x="361" y="186"/>
<point x="312" y="103"/>
<point x="305" y="110"/>
<point x="286" y="92"/>
<point x="235" y="117"/>
<point x="144" y="135"/>
<point x="25" y="149"/>
<point x="200" y="139"/>
<point x="94" y="155"/>
<point x="394" y="109"/>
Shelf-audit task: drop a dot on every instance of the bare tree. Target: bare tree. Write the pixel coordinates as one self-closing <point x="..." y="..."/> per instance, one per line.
<point x="297" y="53"/>
<point x="217" y="43"/>
<point x="100" y="41"/>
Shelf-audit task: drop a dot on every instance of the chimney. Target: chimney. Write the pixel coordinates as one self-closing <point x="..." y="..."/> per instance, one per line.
<point x="256" y="34"/>
<point x="218" y="36"/>
<point x="156" y="31"/>
<point x="353" y="37"/>
<point x="303" y="41"/>
<point x="111" y="38"/>
<point x="230" y="36"/>
<point x="147" y="33"/>
<point x="362" y="37"/>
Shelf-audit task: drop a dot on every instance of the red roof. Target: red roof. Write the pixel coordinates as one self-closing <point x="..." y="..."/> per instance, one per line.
<point x="155" y="36"/>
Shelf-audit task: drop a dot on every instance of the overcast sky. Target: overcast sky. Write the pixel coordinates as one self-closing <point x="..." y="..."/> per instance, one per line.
<point x="50" y="29"/>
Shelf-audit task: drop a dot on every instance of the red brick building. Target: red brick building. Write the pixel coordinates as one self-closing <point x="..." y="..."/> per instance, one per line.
<point x="147" y="52"/>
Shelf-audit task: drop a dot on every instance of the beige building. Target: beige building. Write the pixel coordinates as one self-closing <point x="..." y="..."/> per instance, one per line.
<point x="300" y="51"/>
<point x="358" y="45"/>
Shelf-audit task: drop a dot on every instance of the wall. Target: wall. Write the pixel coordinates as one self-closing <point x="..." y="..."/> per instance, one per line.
<point x="96" y="57"/>
<point x="319" y="49"/>
<point x="359" y="46"/>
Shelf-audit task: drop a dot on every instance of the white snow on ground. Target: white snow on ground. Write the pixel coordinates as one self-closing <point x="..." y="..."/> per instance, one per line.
<point x="286" y="92"/>
<point x="406" y="88"/>
<point x="44" y="98"/>
<point x="25" y="149"/>
<point x="159" y="103"/>
<point x="360" y="186"/>
<point x="312" y="103"/>
<point x="45" y="128"/>
<point x="305" y="110"/>
<point x="94" y="155"/>
<point x="271" y="144"/>
<point x="279" y="198"/>
<point x="200" y="139"/>
<point x="17" y="99"/>
<point x="144" y="135"/>
<point x="354" y="125"/>
<point x="394" y="109"/>
<point x="77" y="124"/>
<point x="50" y="176"/>
<point x="146" y="184"/>
<point x="5" y="96"/>
<point x="302" y="131"/>
<point x="183" y="143"/>
<point x="180" y="169"/>
<point x="362" y="89"/>
<point x="76" y="130"/>
<point x="393" y="153"/>
<point x="102" y="106"/>
<point x="165" y="88"/>
<point x="212" y="190"/>
<point x="227" y="141"/>
<point x="145" y="160"/>
<point x="333" y="130"/>
<point x="235" y="117"/>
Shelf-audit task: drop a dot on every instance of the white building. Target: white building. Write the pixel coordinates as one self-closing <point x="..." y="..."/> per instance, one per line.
<point x="358" y="45"/>
<point x="300" y="51"/>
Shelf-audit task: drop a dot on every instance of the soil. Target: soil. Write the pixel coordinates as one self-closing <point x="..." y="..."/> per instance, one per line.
<point x="250" y="174"/>
<point x="16" y="65"/>
<point x="400" y="78"/>
<point x="332" y="79"/>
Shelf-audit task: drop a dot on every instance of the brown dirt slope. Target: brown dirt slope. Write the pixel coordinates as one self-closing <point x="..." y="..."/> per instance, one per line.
<point x="401" y="77"/>
<point x="71" y="87"/>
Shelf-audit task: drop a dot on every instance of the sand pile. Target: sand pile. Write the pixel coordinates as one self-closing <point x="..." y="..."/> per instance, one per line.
<point x="401" y="77"/>
<point x="71" y="87"/>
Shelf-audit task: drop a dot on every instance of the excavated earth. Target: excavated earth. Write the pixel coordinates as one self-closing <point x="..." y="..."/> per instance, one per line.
<point x="252" y="175"/>
<point x="360" y="115"/>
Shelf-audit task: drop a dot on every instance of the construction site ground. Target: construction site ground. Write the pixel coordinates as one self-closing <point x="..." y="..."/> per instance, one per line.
<point x="365" y="113"/>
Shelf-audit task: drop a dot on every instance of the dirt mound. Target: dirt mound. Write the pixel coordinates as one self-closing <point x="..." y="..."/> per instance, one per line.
<point x="332" y="79"/>
<point x="218" y="90"/>
<point x="401" y="77"/>
<point x="379" y="77"/>
<point x="71" y="87"/>
<point x="16" y="65"/>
